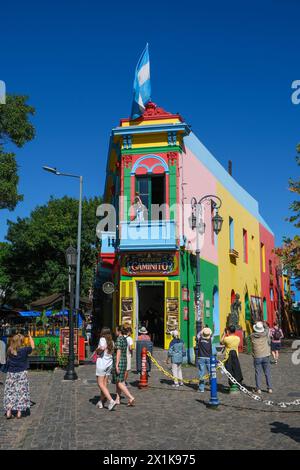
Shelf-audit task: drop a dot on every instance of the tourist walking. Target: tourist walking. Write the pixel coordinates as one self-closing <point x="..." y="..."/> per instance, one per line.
<point x="104" y="364"/>
<point x="120" y="365"/>
<point x="129" y="352"/>
<point x="204" y="354"/>
<point x="276" y="335"/>
<point x="176" y="352"/>
<point x="261" y="354"/>
<point x="16" y="390"/>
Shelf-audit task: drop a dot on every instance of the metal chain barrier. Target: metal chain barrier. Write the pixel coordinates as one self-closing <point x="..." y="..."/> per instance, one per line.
<point x="231" y="378"/>
<point x="253" y="395"/>
<point x="168" y="374"/>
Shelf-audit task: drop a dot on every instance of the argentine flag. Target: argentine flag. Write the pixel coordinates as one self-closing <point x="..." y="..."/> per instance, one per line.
<point x="141" y="85"/>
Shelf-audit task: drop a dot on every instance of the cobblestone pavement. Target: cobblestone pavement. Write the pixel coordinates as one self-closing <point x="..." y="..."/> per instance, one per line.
<point x="64" y="415"/>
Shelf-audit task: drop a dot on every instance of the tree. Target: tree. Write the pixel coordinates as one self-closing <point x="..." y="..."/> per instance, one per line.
<point x="16" y="129"/>
<point x="34" y="260"/>
<point x="290" y="250"/>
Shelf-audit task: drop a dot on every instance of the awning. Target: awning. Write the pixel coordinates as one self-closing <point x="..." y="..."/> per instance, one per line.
<point x="53" y="299"/>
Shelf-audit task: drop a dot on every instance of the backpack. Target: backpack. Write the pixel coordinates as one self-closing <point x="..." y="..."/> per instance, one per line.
<point x="177" y="353"/>
<point x="276" y="334"/>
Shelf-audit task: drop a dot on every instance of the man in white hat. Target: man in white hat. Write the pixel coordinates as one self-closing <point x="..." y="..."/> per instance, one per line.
<point x="204" y="353"/>
<point x="261" y="355"/>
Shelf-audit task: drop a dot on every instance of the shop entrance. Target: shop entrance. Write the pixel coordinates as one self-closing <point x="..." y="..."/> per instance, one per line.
<point x="151" y="309"/>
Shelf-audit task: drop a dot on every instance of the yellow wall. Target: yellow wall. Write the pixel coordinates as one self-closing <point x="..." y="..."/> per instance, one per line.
<point x="150" y="122"/>
<point x="241" y="276"/>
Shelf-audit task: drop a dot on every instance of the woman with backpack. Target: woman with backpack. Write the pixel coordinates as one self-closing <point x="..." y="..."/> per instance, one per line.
<point x="176" y="353"/>
<point x="276" y="337"/>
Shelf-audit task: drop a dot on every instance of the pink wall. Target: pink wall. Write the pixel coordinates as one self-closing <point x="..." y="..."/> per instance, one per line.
<point x="196" y="181"/>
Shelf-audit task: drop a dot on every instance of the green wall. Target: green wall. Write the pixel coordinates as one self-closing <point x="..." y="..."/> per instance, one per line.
<point x="208" y="279"/>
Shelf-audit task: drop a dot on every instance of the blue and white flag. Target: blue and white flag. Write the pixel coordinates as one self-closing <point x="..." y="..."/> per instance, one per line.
<point x="141" y="85"/>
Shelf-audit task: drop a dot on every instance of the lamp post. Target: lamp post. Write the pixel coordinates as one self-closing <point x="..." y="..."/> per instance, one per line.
<point x="58" y="173"/>
<point x="71" y="263"/>
<point x="196" y="222"/>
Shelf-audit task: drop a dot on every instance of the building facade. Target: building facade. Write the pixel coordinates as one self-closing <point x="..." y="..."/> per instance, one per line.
<point x="155" y="166"/>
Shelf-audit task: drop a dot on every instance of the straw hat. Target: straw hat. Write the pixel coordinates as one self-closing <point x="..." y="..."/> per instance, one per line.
<point x="259" y="327"/>
<point x="206" y="332"/>
<point x="143" y="330"/>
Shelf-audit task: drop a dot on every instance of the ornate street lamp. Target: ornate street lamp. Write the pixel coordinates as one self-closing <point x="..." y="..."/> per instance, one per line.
<point x="196" y="222"/>
<point x="71" y="258"/>
<point x="217" y="221"/>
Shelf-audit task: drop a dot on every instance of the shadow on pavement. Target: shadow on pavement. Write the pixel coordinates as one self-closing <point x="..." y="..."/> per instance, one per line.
<point x="286" y="430"/>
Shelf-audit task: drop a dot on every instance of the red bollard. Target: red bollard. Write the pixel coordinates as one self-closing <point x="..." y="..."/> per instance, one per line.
<point x="144" y="377"/>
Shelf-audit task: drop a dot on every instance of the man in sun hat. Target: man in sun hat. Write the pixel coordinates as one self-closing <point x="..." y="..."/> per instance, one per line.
<point x="261" y="355"/>
<point x="204" y="353"/>
<point x="143" y="340"/>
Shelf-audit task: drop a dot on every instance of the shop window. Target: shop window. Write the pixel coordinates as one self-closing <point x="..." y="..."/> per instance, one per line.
<point x="151" y="190"/>
<point x="245" y="245"/>
<point x="263" y="257"/>
<point x="231" y="234"/>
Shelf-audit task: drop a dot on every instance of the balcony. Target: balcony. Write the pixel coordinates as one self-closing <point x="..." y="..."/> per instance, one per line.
<point x="233" y="253"/>
<point x="149" y="235"/>
<point x="108" y="240"/>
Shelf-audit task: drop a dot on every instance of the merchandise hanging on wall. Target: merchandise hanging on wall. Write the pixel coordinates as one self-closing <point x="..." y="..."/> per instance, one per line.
<point x="127" y="311"/>
<point x="172" y="308"/>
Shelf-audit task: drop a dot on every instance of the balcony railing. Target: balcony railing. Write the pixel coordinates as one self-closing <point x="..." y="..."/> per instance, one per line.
<point x="108" y="240"/>
<point x="152" y="234"/>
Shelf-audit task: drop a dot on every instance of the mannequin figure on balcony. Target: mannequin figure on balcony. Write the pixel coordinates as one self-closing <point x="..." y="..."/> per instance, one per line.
<point x="139" y="209"/>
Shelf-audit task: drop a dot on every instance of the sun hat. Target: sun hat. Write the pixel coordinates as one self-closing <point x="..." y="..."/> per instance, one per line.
<point x="175" y="333"/>
<point x="143" y="330"/>
<point x="206" y="332"/>
<point x="259" y="327"/>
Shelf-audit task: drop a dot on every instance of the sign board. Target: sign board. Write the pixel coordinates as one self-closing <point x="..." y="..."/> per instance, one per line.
<point x="108" y="287"/>
<point x="64" y="340"/>
<point x="150" y="264"/>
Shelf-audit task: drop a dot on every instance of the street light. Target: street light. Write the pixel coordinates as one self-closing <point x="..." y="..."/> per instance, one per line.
<point x="58" y="173"/>
<point x="196" y="222"/>
<point x="71" y="263"/>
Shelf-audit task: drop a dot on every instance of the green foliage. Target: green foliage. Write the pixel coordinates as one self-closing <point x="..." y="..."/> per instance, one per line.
<point x="34" y="257"/>
<point x="62" y="360"/>
<point x="9" y="180"/>
<point x="16" y="129"/>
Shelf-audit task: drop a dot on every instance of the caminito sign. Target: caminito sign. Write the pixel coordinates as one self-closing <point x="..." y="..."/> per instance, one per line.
<point x="151" y="264"/>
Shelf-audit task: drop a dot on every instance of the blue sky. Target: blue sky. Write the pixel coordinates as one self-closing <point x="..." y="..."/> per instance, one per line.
<point x="227" y="67"/>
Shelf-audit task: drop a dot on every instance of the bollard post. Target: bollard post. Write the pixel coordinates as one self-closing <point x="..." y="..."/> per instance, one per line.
<point x="213" y="402"/>
<point x="144" y="378"/>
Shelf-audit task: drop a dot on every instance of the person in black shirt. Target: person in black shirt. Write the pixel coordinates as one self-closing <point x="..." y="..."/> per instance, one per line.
<point x="16" y="390"/>
<point x="204" y="353"/>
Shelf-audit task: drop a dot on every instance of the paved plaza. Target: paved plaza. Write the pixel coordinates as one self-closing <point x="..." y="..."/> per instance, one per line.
<point x="64" y="415"/>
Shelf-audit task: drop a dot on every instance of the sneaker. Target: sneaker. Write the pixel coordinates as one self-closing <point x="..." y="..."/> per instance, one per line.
<point x="201" y="391"/>
<point x="181" y="383"/>
<point x="270" y="390"/>
<point x="111" y="405"/>
<point x="99" y="404"/>
<point x="258" y="390"/>
<point x="175" y="385"/>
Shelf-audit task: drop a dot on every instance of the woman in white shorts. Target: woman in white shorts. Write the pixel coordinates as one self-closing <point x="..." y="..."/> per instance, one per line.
<point x="103" y="367"/>
<point x="129" y="352"/>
